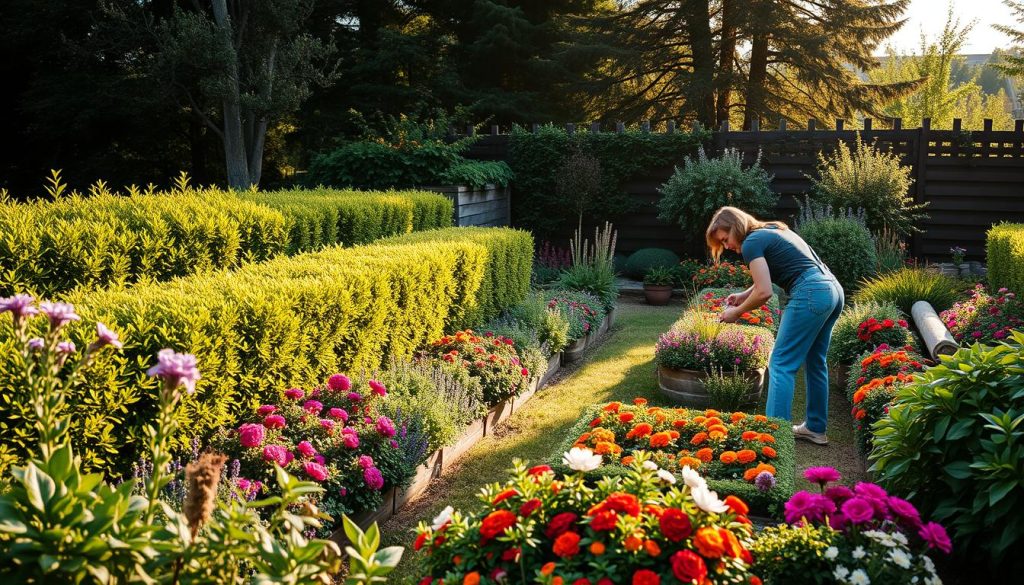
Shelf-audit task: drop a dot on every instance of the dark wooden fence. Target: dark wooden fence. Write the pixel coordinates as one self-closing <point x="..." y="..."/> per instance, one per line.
<point x="970" y="178"/>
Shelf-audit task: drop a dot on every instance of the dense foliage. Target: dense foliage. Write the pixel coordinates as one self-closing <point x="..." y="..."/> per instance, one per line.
<point x="845" y="246"/>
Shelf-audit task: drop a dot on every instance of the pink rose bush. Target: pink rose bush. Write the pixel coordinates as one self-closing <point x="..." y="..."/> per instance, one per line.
<point x="984" y="317"/>
<point x="334" y="435"/>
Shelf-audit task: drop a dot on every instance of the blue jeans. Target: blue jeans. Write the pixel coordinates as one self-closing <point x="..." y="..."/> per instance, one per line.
<point x="815" y="302"/>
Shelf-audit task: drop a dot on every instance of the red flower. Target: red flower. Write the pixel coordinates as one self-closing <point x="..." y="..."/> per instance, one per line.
<point x="529" y="507"/>
<point x="559" y="524"/>
<point x="511" y="554"/>
<point x="675" y="524"/>
<point x="539" y="470"/>
<point x="496" y="522"/>
<point x="420" y="540"/>
<point x="618" y="502"/>
<point x="581" y="581"/>
<point x="604" y="520"/>
<point x="646" y="577"/>
<point x="626" y="417"/>
<point x="687" y="566"/>
<point x="509" y="493"/>
<point x="567" y="545"/>
<point x="737" y="505"/>
<point x="888" y="323"/>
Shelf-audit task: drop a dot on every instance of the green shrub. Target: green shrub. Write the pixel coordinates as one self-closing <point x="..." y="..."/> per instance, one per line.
<point x="551" y="325"/>
<point x="684" y="272"/>
<point x="726" y="392"/>
<point x="845" y="246"/>
<point x="644" y="259"/>
<point x="478" y="174"/>
<point x="847" y="344"/>
<point x="1004" y="256"/>
<point x="659" y="276"/>
<point x="868" y="179"/>
<point x="527" y="344"/>
<point x="891" y="251"/>
<point x="693" y="193"/>
<point x="952" y="445"/>
<point x="290" y="321"/>
<point x="794" y="555"/>
<point x="583" y="312"/>
<point x="536" y="157"/>
<point x="906" y="286"/>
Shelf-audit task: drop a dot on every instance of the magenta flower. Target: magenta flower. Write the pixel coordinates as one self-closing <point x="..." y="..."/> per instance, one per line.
<point x="294" y="393"/>
<point x="243" y="484"/>
<point x="319" y="459"/>
<point x="339" y="383"/>
<point x="350" y="440"/>
<point x="266" y="409"/>
<point x="905" y="512"/>
<point x="935" y="535"/>
<point x="277" y="454"/>
<point x="315" y="470"/>
<point x="250" y="435"/>
<point x="274" y="421"/>
<point x="858" y="510"/>
<point x="355" y="396"/>
<point x="385" y="427"/>
<point x="176" y="369"/>
<point x="60" y="314"/>
<point x="327" y="424"/>
<point x="839" y="494"/>
<point x="374" y="479"/>
<point x="66" y="347"/>
<point x="365" y="461"/>
<point x="313" y="406"/>
<point x="870" y="490"/>
<point x="813" y="507"/>
<point x="393" y="443"/>
<point x="20" y="306"/>
<point x="821" y="475"/>
<point x="378" y="388"/>
<point x="106" y="337"/>
<point x="338" y="414"/>
<point x="306" y="449"/>
<point x="36" y="344"/>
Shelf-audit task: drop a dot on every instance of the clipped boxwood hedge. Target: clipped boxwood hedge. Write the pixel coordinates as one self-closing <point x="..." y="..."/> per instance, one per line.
<point x="1004" y="255"/>
<point x="52" y="248"/>
<point x="769" y="503"/>
<point x="290" y="321"/>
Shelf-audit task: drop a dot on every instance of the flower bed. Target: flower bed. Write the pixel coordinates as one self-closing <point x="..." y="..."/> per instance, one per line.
<point x="850" y="536"/>
<point x="583" y="311"/>
<point x="881" y="362"/>
<point x="698" y="343"/>
<point x="865" y="326"/>
<point x="712" y="300"/>
<point x="723" y="274"/>
<point x="984" y="317"/>
<point x="492" y="359"/>
<point x="871" y="402"/>
<point x="555" y="528"/>
<point x="331" y="435"/>
<point x="730" y="449"/>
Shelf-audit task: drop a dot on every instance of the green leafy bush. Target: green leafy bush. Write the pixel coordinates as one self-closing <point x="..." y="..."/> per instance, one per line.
<point x="868" y="179"/>
<point x="693" y="193"/>
<point x="478" y="174"/>
<point x="287" y="322"/>
<point x="852" y="336"/>
<point x="845" y="246"/>
<point x="551" y="325"/>
<point x="659" y="276"/>
<point x="1004" y="255"/>
<point x="906" y="286"/>
<point x="684" y="272"/>
<point x="644" y="259"/>
<point x="952" y="443"/>
<point x="584" y="312"/>
<point x="794" y="554"/>
<point x="536" y="157"/>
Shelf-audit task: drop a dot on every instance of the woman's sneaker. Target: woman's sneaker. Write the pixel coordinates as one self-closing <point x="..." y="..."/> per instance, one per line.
<point x="801" y="431"/>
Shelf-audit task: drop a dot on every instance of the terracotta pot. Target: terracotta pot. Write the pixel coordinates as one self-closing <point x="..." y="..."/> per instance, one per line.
<point x="657" y="295"/>
<point x="686" y="387"/>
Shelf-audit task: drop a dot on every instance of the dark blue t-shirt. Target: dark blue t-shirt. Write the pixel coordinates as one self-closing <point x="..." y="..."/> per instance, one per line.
<point x="787" y="254"/>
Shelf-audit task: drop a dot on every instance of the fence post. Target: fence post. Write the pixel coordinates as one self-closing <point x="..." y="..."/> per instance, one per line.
<point x="782" y="124"/>
<point x="620" y="127"/>
<point x="755" y="124"/>
<point x="495" y="130"/>
<point x="645" y="125"/>
<point x="1018" y="126"/>
<point x="867" y="124"/>
<point x="920" y="172"/>
<point x="897" y="123"/>
<point x="670" y="127"/>
<point x="811" y="124"/>
<point x="595" y="127"/>
<point x="839" y="125"/>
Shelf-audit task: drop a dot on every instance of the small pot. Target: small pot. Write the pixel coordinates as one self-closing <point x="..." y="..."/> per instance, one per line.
<point x="657" y="295"/>
<point x="686" y="387"/>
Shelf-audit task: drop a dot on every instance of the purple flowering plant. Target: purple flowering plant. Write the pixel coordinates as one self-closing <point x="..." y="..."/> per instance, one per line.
<point x="984" y="317"/>
<point x="698" y="342"/>
<point x="334" y="435"/>
<point x="873" y="534"/>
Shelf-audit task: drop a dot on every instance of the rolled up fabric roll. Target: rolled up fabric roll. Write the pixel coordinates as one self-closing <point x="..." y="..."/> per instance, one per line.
<point x="937" y="339"/>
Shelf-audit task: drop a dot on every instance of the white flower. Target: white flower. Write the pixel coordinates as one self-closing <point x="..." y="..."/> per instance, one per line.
<point x="707" y="500"/>
<point x="581" y="459"/>
<point x="915" y="579"/>
<point x="900" y="558"/>
<point x="442" y="518"/>
<point x="933" y="580"/>
<point x="928" y="564"/>
<point x="692" y="478"/>
<point x="650" y="465"/>
<point x="831" y="553"/>
<point x="666" y="476"/>
<point x="840" y="573"/>
<point x="899" y="537"/>
<point x="858" y="553"/>
<point x="859" y="577"/>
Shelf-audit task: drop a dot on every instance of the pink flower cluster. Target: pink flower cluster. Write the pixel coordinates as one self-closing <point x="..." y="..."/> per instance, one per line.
<point x="984" y="317"/>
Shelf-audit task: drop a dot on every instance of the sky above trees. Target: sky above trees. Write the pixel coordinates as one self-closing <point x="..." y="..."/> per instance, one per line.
<point x="928" y="16"/>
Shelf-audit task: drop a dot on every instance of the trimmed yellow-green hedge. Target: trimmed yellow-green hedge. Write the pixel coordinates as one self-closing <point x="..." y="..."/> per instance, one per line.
<point x="1004" y="256"/>
<point x="53" y="248"/>
<point x="290" y="321"/>
<point x="320" y="217"/>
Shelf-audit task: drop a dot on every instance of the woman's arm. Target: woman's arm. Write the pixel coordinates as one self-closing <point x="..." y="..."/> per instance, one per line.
<point x="756" y="295"/>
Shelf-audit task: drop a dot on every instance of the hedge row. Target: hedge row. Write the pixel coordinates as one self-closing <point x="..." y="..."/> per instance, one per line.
<point x="52" y="248"/>
<point x="1004" y="254"/>
<point x="290" y="321"/>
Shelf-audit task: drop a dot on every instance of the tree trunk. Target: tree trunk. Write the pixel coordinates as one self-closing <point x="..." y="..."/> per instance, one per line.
<point x="726" y="56"/>
<point x="701" y="94"/>
<point x="234" y="140"/>
<point x="259" y="130"/>
<point x="197" y="148"/>
<point x="755" y="98"/>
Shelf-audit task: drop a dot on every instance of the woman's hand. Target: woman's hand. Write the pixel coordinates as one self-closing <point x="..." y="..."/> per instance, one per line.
<point x="735" y="299"/>
<point x="730" y="315"/>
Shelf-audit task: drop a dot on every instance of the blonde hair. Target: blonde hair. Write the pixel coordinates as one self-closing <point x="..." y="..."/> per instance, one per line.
<point x="737" y="223"/>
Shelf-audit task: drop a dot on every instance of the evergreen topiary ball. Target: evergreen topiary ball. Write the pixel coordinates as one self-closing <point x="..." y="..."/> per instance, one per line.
<point x="845" y="246"/>
<point x="644" y="259"/>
